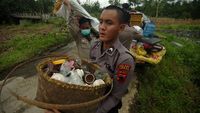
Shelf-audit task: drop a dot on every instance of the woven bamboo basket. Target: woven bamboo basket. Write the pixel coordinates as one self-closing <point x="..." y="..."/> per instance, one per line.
<point x="56" y="92"/>
<point x="67" y="98"/>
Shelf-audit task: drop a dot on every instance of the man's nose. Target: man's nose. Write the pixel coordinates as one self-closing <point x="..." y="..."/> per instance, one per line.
<point x="102" y="26"/>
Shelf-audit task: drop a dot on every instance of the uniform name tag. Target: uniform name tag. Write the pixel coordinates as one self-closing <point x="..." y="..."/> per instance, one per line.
<point x="124" y="67"/>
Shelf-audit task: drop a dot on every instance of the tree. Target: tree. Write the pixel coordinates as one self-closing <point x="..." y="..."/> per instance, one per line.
<point x="148" y="7"/>
<point x="135" y="2"/>
<point x="8" y="7"/>
<point x="157" y="6"/>
<point x="114" y="2"/>
<point x="94" y="8"/>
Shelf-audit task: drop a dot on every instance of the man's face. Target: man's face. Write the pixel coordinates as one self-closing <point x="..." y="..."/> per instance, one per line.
<point x="109" y="25"/>
<point x="85" y="25"/>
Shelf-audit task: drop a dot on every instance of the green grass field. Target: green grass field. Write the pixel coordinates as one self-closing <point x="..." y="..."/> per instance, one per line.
<point x="181" y="27"/>
<point x="29" y="40"/>
<point x="173" y="85"/>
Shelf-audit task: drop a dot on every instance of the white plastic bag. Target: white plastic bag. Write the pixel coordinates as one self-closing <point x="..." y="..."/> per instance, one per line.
<point x="76" y="77"/>
<point x="59" y="77"/>
<point x="63" y="12"/>
<point x="98" y="82"/>
<point x="66" y="67"/>
<point x="138" y="29"/>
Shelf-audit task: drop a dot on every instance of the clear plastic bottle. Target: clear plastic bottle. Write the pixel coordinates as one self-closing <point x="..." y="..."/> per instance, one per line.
<point x="133" y="44"/>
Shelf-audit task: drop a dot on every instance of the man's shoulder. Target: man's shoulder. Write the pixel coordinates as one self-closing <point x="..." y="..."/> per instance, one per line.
<point x="95" y="43"/>
<point x="126" y="56"/>
<point x="124" y="53"/>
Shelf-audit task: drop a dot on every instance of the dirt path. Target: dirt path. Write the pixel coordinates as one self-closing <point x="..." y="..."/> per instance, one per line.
<point x="127" y="100"/>
<point x="25" y="84"/>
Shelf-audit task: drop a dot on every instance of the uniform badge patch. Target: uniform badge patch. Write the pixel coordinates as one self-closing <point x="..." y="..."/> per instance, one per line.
<point x="122" y="72"/>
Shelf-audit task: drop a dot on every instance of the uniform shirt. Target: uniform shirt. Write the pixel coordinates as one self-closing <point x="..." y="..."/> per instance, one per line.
<point x="119" y="64"/>
<point x="84" y="46"/>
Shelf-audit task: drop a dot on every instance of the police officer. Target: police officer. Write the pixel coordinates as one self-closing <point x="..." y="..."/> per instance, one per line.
<point x="86" y="37"/>
<point x="113" y="57"/>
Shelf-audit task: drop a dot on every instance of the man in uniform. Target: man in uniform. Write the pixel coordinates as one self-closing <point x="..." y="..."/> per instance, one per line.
<point x="86" y="37"/>
<point x="113" y="57"/>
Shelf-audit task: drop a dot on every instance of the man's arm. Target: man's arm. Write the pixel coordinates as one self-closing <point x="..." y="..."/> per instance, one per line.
<point x="67" y="3"/>
<point x="124" y="74"/>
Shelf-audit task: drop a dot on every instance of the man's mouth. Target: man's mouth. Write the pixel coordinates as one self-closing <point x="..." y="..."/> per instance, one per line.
<point x="102" y="34"/>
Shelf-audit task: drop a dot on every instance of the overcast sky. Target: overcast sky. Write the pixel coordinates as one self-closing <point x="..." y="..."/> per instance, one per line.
<point x="103" y="3"/>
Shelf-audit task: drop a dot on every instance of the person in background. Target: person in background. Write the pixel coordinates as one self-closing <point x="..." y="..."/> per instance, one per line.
<point x="86" y="29"/>
<point x="88" y="35"/>
<point x="129" y="33"/>
<point x="127" y="6"/>
<point x="80" y="23"/>
<point x="113" y="57"/>
<point x="73" y="9"/>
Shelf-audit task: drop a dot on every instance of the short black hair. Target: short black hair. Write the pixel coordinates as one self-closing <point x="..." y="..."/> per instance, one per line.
<point x="124" y="16"/>
<point x="83" y="20"/>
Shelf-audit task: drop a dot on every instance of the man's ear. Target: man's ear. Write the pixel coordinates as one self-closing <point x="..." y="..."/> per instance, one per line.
<point x="122" y="26"/>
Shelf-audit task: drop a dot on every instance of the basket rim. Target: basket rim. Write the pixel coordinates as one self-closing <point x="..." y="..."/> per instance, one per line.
<point x="45" y="105"/>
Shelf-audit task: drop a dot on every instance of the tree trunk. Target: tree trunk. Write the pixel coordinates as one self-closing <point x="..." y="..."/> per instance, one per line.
<point x="157" y="8"/>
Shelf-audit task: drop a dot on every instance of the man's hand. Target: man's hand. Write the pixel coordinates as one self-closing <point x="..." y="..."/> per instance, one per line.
<point x="67" y="3"/>
<point x="52" y="111"/>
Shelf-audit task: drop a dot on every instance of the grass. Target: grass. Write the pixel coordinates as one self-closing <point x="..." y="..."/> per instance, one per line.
<point x="172" y="21"/>
<point x="26" y="42"/>
<point x="172" y="86"/>
<point x="181" y="27"/>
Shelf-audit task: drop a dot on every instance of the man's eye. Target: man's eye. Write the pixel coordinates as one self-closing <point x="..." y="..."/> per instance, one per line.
<point x="109" y="23"/>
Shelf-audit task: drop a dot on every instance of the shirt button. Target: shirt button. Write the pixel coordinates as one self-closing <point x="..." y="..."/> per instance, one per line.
<point x="110" y="50"/>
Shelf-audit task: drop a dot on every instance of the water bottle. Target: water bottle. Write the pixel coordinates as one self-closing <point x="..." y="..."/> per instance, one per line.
<point x="133" y="44"/>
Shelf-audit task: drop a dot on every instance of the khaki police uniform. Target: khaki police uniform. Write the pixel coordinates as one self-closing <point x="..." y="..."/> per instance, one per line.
<point x="119" y="63"/>
<point x="83" y="45"/>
